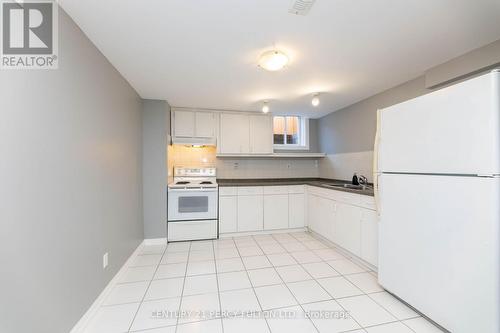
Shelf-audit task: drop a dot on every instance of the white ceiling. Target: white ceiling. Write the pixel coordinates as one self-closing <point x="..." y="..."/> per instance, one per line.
<point x="200" y="53"/>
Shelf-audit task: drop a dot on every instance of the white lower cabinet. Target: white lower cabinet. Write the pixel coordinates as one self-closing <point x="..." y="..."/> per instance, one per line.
<point x="228" y="214"/>
<point x="369" y="236"/>
<point x="254" y="208"/>
<point x="275" y="211"/>
<point x="349" y="220"/>
<point x="346" y="221"/>
<point x="321" y="213"/>
<point x="296" y="210"/>
<point x="347" y="228"/>
<point x="313" y="214"/>
<point x="250" y="212"/>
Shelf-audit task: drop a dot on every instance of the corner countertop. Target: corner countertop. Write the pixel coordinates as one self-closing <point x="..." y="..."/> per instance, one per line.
<point x="318" y="182"/>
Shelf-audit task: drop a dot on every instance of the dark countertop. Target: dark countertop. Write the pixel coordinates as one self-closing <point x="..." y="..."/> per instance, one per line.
<point x="319" y="182"/>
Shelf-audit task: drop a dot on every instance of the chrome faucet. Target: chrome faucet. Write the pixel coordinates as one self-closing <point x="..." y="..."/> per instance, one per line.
<point x="362" y="180"/>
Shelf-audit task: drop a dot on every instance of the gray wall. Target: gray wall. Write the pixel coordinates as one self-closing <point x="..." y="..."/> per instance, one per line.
<point x="313" y="136"/>
<point x="472" y="62"/>
<point x="352" y="129"/>
<point x="155" y="127"/>
<point x="70" y="175"/>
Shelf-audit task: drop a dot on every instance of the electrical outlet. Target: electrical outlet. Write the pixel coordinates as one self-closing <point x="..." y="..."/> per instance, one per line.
<point x="316" y="163"/>
<point x="105" y="260"/>
<point x="236" y="165"/>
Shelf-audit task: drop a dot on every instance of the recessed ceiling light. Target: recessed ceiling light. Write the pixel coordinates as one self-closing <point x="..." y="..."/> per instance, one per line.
<point x="273" y="60"/>
<point x="315" y="99"/>
<point x="265" y="107"/>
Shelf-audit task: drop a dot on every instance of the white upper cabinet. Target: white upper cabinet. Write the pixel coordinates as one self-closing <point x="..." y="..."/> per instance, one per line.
<point x="261" y="135"/>
<point x="234" y="133"/>
<point x="245" y="134"/>
<point x="193" y="127"/>
<point x="204" y="125"/>
<point x="183" y="124"/>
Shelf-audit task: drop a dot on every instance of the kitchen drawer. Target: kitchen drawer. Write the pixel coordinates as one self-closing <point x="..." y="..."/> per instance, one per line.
<point x="192" y="230"/>
<point x="348" y="198"/>
<point x="275" y="189"/>
<point x="296" y="189"/>
<point x="230" y="190"/>
<point x="250" y="190"/>
<point x="322" y="192"/>
<point x="367" y="202"/>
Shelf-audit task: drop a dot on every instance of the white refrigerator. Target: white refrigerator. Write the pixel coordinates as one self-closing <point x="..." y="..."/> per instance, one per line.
<point x="437" y="176"/>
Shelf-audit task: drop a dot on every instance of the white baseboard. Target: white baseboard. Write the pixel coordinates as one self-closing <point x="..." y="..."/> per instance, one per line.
<point x="262" y="232"/>
<point x="82" y="323"/>
<point x="155" y="241"/>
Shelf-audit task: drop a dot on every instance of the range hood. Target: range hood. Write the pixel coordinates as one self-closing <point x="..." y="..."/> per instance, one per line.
<point x="194" y="141"/>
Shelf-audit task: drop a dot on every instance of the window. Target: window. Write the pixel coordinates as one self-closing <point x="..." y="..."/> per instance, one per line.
<point x="290" y="132"/>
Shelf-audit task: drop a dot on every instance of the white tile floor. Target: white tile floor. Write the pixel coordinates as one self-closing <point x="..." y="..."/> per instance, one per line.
<point x="264" y="283"/>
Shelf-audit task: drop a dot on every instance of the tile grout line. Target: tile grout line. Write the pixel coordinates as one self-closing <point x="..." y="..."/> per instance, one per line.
<point x="333" y="298"/>
<point x="183" y="285"/>
<point x="253" y="288"/>
<point x="344" y="257"/>
<point x="321" y="286"/>
<point x="345" y="276"/>
<point x="218" y="288"/>
<point x="147" y="289"/>
<point x="298" y="303"/>
<point x="342" y="275"/>
<point x="266" y="255"/>
<point x="363" y="292"/>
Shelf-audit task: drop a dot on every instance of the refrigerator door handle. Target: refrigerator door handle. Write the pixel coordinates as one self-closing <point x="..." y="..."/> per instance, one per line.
<point x="376" y="195"/>
<point x="375" y="164"/>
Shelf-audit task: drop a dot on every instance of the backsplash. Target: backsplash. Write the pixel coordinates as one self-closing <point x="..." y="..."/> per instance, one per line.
<point x="228" y="168"/>
<point x="333" y="166"/>
<point x="186" y="156"/>
<point x="343" y="166"/>
<point x="266" y="168"/>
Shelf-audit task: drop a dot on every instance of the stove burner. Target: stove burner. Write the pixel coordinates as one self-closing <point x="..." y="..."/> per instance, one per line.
<point x="205" y="182"/>
<point x="182" y="183"/>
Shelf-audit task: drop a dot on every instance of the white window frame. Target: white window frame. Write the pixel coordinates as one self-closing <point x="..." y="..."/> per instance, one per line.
<point x="303" y="135"/>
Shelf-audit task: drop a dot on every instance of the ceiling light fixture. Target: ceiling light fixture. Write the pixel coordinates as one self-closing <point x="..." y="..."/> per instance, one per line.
<point x="273" y="60"/>
<point x="265" y="107"/>
<point x="315" y="99"/>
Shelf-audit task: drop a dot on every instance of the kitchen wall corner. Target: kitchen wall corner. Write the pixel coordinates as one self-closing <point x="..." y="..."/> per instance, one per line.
<point x="155" y="129"/>
<point x="344" y="165"/>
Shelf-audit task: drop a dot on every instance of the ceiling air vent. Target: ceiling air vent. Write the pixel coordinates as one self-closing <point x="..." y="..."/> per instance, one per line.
<point x="301" y="7"/>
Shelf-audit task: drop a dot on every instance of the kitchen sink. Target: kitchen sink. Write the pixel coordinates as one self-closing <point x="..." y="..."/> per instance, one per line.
<point x="349" y="186"/>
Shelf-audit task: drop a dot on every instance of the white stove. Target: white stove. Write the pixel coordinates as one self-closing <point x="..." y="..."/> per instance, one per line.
<point x="192" y="204"/>
<point x="194" y="178"/>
